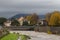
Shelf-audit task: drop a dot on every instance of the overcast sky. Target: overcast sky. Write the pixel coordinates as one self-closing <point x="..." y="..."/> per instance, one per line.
<point x="27" y="6"/>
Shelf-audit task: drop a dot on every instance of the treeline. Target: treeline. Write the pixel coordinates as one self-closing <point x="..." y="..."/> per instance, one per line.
<point x="53" y="19"/>
<point x="2" y="20"/>
<point x="33" y="18"/>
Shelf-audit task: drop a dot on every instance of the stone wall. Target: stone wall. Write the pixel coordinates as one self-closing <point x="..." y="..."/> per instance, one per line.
<point x="54" y="30"/>
<point x="42" y="29"/>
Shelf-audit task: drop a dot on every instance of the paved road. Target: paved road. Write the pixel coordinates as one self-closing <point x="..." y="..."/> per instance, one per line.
<point x="39" y="35"/>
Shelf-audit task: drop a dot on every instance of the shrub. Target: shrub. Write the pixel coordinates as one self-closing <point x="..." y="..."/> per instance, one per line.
<point x="49" y="32"/>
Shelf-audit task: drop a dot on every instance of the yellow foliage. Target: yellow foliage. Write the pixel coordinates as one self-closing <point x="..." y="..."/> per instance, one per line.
<point x="49" y="32"/>
<point x="32" y="18"/>
<point x="28" y="17"/>
<point x="55" y="19"/>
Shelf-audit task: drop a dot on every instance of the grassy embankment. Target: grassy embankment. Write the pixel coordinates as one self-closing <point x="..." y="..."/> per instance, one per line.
<point x="13" y="36"/>
<point x="24" y="37"/>
<point x="10" y="37"/>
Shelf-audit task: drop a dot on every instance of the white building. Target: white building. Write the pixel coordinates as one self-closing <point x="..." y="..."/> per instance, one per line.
<point x="21" y="20"/>
<point x="42" y="22"/>
<point x="7" y="23"/>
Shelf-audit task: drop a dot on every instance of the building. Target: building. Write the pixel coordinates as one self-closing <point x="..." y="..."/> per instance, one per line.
<point x="20" y="20"/>
<point x="42" y="22"/>
<point x="7" y="23"/>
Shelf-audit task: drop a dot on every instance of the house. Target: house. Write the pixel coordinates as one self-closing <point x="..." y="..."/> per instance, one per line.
<point x="42" y="22"/>
<point x="7" y="23"/>
<point x="20" y="20"/>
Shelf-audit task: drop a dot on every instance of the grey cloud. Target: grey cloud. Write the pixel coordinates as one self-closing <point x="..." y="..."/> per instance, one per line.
<point x="29" y="6"/>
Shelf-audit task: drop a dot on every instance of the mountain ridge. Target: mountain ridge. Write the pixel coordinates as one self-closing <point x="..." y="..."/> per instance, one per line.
<point x="22" y="15"/>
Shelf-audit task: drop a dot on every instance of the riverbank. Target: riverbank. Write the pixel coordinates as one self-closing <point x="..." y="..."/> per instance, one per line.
<point x="38" y="35"/>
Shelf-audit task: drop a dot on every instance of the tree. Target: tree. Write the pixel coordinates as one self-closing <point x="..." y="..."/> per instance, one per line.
<point x="0" y="32"/>
<point x="2" y="20"/>
<point x="28" y="17"/>
<point x="25" y="23"/>
<point x="33" y="18"/>
<point x="15" y="23"/>
<point x="48" y="15"/>
<point x="55" y="19"/>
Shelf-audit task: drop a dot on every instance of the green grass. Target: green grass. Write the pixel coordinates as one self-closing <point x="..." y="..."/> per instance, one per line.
<point x="13" y="36"/>
<point x="24" y="37"/>
<point x="10" y="37"/>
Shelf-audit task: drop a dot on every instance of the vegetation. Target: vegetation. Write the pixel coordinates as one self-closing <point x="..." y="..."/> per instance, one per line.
<point x="25" y="23"/>
<point x="54" y="19"/>
<point x="15" y="23"/>
<point x="48" y="15"/>
<point x="2" y="20"/>
<point x="3" y="32"/>
<point x="25" y="37"/>
<point x="33" y="19"/>
<point x="10" y="37"/>
<point x="49" y="32"/>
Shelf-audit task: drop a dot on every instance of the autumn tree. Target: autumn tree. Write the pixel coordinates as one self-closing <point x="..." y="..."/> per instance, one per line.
<point x="55" y="19"/>
<point x="48" y="15"/>
<point x="33" y="18"/>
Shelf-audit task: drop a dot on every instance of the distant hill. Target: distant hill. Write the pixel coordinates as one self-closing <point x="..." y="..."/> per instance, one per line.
<point x="20" y="15"/>
<point x="42" y="16"/>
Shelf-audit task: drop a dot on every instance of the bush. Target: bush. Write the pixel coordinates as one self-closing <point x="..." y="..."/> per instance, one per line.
<point x="4" y="33"/>
<point x="49" y="32"/>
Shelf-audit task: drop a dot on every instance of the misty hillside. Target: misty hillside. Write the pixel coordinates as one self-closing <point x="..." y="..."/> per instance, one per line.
<point x="20" y="15"/>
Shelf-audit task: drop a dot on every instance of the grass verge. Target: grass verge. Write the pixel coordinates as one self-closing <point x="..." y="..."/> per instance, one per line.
<point x="10" y="36"/>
